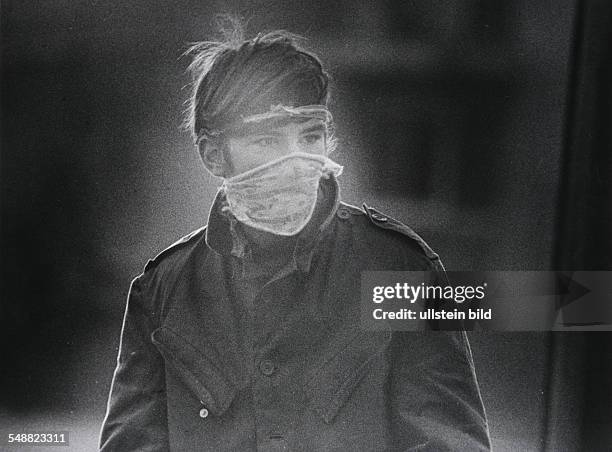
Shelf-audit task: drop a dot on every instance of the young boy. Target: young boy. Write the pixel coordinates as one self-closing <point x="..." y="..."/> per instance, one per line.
<point x="245" y="335"/>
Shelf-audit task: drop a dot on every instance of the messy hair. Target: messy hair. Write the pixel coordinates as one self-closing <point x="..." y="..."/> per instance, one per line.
<point x="235" y="78"/>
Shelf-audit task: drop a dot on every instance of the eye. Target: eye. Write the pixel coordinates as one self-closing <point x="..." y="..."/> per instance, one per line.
<point x="265" y="141"/>
<point x="312" y="138"/>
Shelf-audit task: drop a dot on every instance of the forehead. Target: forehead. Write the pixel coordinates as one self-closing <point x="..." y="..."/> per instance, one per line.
<point x="283" y="125"/>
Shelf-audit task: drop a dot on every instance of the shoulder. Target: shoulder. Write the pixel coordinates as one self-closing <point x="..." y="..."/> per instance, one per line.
<point x="383" y="230"/>
<point x="177" y="250"/>
<point x="148" y="290"/>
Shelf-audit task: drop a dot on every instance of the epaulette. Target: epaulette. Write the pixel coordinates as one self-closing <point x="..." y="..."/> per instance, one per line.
<point x="386" y="222"/>
<point x="175" y="246"/>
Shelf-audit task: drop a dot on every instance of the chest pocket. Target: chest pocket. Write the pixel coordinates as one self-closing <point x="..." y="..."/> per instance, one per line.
<point x="196" y="370"/>
<point x="341" y="369"/>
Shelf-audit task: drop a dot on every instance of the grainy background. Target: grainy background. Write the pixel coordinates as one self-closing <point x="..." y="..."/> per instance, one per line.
<point x="450" y="117"/>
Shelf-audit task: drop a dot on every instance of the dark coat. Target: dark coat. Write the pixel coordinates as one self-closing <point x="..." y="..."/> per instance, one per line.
<point x="318" y="381"/>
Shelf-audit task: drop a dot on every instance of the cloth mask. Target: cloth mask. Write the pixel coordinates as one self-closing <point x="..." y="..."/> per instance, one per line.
<point x="279" y="196"/>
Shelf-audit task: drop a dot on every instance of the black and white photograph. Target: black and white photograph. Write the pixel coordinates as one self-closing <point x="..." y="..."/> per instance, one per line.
<point x="306" y="226"/>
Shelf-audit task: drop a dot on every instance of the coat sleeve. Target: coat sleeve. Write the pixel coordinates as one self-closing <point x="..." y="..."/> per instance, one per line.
<point x="435" y="403"/>
<point x="136" y="416"/>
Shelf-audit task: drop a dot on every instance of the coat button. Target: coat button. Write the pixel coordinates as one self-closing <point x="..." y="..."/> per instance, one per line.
<point x="343" y="213"/>
<point x="203" y="413"/>
<point x="267" y="367"/>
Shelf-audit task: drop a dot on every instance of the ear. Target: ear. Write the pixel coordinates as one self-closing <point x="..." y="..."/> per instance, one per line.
<point x="213" y="153"/>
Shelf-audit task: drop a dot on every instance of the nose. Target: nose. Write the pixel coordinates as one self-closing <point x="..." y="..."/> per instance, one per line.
<point x="293" y="146"/>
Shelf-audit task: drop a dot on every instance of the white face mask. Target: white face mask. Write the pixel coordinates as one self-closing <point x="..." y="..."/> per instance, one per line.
<point x="279" y="196"/>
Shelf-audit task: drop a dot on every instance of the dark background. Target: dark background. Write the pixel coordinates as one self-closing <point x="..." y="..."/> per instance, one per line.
<point x="466" y="119"/>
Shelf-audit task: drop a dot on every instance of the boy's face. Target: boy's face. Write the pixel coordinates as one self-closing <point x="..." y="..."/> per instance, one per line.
<point x="263" y="142"/>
